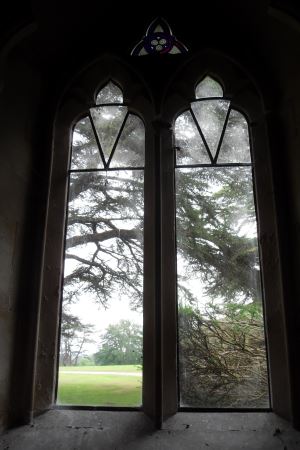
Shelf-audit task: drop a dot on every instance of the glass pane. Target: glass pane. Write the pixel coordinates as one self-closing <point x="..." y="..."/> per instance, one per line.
<point x="211" y="115"/>
<point x="85" y="152"/>
<point x="108" y="121"/>
<point x="109" y="94"/>
<point x="209" y="88"/>
<point x="175" y="50"/>
<point x="143" y="52"/>
<point x="222" y="354"/>
<point x="235" y="146"/>
<point x="130" y="150"/>
<point x="101" y="333"/>
<point x="189" y="144"/>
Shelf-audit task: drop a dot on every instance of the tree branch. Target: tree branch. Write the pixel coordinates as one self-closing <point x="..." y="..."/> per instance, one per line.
<point x="105" y="235"/>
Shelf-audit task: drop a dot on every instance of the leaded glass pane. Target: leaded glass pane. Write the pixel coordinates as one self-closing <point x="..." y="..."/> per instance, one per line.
<point x="190" y="148"/>
<point x="109" y="94"/>
<point x="130" y="150"/>
<point x="175" y="50"/>
<point x="158" y="29"/>
<point x="108" y="121"/>
<point x="85" y="152"/>
<point x="235" y="146"/>
<point x="102" y="309"/>
<point x="209" y="88"/>
<point x="211" y="115"/>
<point x="222" y="351"/>
<point x="142" y="52"/>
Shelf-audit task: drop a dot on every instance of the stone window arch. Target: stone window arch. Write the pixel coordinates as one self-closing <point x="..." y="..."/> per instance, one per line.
<point x="158" y="101"/>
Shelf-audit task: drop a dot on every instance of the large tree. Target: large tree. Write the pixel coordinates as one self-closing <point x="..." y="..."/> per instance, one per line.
<point x="73" y="339"/>
<point x="120" y="344"/>
<point x="105" y="222"/>
<point x="216" y="243"/>
<point x="221" y="339"/>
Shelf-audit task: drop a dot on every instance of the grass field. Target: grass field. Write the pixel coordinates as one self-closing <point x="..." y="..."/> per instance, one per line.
<point x="123" y="388"/>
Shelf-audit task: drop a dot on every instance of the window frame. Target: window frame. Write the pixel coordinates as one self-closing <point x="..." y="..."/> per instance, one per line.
<point x="182" y="72"/>
<point x="241" y="90"/>
<point x="215" y="164"/>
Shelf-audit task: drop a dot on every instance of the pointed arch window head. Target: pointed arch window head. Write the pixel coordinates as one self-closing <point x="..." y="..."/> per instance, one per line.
<point x="110" y="136"/>
<point x="159" y="40"/>
<point x="111" y="93"/>
<point x="211" y="131"/>
<point x="208" y="87"/>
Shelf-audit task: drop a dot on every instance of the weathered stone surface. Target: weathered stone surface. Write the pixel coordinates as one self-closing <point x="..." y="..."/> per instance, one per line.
<point x="88" y="430"/>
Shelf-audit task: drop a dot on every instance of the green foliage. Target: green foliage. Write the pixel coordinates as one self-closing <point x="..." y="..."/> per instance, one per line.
<point x="86" y="361"/>
<point x="120" y="344"/>
<point x="222" y="356"/>
<point x="212" y="207"/>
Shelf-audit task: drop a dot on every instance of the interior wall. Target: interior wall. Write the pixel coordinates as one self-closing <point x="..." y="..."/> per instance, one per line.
<point x="284" y="125"/>
<point x="19" y="97"/>
<point x="29" y="73"/>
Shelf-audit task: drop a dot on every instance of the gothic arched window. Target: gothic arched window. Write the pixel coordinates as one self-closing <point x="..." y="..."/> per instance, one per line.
<point x="161" y="201"/>
<point x="222" y="352"/>
<point x="103" y="275"/>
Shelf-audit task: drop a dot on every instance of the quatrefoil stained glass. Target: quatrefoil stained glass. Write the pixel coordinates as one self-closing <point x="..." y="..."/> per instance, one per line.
<point x="159" y="40"/>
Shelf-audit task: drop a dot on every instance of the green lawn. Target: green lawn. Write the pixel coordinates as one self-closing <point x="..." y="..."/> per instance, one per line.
<point x="131" y="368"/>
<point x="99" y="389"/>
